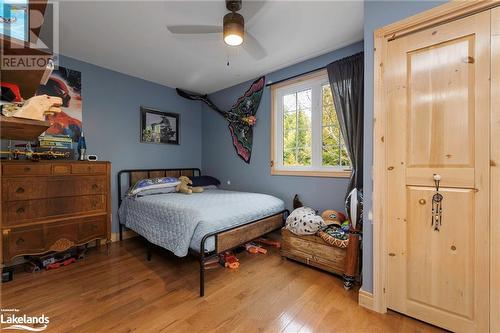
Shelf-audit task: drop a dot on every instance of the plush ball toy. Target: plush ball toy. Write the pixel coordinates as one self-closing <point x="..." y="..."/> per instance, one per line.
<point x="186" y="186"/>
<point x="304" y="221"/>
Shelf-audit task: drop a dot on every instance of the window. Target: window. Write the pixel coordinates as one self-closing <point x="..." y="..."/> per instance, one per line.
<point x="306" y="138"/>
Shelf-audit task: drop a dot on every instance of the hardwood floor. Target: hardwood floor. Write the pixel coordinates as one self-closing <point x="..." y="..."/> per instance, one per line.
<point x="122" y="292"/>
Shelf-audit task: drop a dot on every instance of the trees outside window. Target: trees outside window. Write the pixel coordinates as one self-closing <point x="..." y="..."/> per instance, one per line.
<point x="306" y="132"/>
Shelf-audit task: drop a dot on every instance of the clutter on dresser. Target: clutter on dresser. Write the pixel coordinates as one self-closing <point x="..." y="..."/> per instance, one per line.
<point x="82" y="147"/>
<point x="91" y="158"/>
<point x="34" y="153"/>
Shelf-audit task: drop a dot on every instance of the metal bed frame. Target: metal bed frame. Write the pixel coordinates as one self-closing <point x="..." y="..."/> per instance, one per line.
<point x="203" y="256"/>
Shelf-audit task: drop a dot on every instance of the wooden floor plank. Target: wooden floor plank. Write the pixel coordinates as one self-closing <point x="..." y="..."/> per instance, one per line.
<point x="119" y="291"/>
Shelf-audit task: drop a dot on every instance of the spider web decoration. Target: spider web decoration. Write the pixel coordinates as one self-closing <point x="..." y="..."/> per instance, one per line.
<point x="241" y="117"/>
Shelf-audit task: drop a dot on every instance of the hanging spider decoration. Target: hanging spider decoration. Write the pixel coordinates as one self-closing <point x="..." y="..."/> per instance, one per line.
<point x="241" y="117"/>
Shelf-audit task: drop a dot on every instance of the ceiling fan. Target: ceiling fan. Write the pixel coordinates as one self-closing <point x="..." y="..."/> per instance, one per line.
<point x="232" y="29"/>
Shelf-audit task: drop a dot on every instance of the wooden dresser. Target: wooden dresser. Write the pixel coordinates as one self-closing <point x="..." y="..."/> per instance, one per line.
<point x="53" y="205"/>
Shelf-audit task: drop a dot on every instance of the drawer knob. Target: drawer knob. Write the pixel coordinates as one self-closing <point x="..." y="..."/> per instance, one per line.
<point x="20" y="190"/>
<point x="19" y="241"/>
<point x="20" y="210"/>
<point x="95" y="186"/>
<point x="27" y="169"/>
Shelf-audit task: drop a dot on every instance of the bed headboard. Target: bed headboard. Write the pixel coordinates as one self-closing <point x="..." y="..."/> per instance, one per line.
<point x="134" y="175"/>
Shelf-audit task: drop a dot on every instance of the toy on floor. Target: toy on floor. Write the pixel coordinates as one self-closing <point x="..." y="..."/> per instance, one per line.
<point x="270" y="242"/>
<point x="61" y="263"/>
<point x="254" y="248"/>
<point x="229" y="260"/>
<point x="186" y="186"/>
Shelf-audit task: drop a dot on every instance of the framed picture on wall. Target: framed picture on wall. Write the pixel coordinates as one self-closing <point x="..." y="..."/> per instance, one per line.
<point x="159" y="127"/>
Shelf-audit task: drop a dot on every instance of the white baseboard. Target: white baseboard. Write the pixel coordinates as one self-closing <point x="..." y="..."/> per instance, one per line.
<point x="115" y="236"/>
<point x="365" y="299"/>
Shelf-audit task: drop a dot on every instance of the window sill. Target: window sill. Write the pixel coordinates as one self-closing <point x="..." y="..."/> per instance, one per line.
<point x="312" y="173"/>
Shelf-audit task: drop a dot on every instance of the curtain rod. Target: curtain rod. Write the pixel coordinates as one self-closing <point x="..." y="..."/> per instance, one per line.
<point x="295" y="76"/>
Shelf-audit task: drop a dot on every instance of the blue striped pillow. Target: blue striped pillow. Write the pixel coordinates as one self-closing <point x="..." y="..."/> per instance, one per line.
<point x="153" y="184"/>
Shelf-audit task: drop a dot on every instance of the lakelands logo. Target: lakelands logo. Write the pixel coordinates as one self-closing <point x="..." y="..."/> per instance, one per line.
<point x="10" y="319"/>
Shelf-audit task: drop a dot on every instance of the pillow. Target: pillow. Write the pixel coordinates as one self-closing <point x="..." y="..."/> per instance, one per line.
<point x="153" y="184"/>
<point x="205" y="181"/>
<point x="210" y="187"/>
<point x="304" y="221"/>
<point x="154" y="191"/>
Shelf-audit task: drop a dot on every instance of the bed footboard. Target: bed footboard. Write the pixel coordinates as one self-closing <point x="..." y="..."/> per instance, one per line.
<point x="236" y="236"/>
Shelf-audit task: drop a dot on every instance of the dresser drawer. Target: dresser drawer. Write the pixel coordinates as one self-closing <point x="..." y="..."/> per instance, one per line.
<point x="26" y="169"/>
<point x="47" y="187"/>
<point x="55" y="236"/>
<point x="21" y="241"/>
<point x="21" y="211"/>
<point x="88" y="168"/>
<point x="92" y="228"/>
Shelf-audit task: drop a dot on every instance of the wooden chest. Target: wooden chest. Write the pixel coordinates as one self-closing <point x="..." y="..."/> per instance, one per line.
<point x="53" y="205"/>
<point x="313" y="251"/>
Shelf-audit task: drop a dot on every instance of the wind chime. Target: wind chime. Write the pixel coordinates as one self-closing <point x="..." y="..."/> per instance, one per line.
<point x="437" y="208"/>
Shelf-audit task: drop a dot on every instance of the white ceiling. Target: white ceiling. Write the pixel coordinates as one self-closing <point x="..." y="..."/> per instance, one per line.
<point x="131" y="37"/>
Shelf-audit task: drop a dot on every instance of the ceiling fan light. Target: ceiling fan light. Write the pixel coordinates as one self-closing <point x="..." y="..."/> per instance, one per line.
<point x="234" y="29"/>
<point x="233" y="40"/>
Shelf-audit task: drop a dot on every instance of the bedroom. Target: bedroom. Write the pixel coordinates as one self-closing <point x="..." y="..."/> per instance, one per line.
<point x="86" y="246"/>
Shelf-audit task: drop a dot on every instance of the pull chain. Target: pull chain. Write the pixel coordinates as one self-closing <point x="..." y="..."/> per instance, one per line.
<point x="437" y="208"/>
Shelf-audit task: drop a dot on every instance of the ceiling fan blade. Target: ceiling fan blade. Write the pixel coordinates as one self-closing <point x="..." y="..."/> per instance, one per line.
<point x="250" y="9"/>
<point x="194" y="29"/>
<point x="253" y="47"/>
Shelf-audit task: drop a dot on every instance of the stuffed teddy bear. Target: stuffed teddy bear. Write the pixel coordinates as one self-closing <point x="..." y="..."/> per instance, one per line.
<point x="186" y="186"/>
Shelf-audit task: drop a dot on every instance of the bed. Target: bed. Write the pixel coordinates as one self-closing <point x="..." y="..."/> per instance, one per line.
<point x="203" y="224"/>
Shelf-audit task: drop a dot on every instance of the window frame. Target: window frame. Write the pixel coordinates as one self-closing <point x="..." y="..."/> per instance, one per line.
<point x="314" y="81"/>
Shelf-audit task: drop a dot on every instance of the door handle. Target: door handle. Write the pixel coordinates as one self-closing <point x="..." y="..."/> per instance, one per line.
<point x="437" y="205"/>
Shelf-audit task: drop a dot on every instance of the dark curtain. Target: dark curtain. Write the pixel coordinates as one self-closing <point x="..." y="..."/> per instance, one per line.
<point x="347" y="83"/>
<point x="346" y="78"/>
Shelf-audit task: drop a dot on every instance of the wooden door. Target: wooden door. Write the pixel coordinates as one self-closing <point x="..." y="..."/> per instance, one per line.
<point x="495" y="172"/>
<point x="438" y="95"/>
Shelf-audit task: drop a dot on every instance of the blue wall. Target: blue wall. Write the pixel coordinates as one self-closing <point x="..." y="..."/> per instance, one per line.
<point x="220" y="160"/>
<point x="377" y="14"/>
<point x="111" y="122"/>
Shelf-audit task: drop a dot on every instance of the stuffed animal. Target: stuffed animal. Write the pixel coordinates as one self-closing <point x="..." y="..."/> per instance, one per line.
<point x="186" y="186"/>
